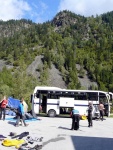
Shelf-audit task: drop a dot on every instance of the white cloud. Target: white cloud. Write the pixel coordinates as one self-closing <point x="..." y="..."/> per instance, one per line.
<point x="13" y="9"/>
<point x="86" y="7"/>
<point x="43" y="5"/>
<point x="40" y="12"/>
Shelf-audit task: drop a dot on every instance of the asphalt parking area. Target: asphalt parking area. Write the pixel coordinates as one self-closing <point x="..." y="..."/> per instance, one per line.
<point x="57" y="135"/>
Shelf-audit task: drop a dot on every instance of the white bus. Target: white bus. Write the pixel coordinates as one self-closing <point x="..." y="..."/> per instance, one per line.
<point x="55" y="101"/>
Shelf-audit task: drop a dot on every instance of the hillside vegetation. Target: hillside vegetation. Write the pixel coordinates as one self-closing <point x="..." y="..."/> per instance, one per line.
<point x="57" y="48"/>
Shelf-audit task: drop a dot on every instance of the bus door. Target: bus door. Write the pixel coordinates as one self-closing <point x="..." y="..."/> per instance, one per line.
<point x="35" y="103"/>
<point x="44" y="103"/>
<point x="111" y="97"/>
<point x="107" y="106"/>
<point x="104" y="98"/>
<point x="40" y="103"/>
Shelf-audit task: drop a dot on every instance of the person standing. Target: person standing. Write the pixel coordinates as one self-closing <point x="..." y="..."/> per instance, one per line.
<point x="20" y="114"/>
<point x="90" y="109"/>
<point x="3" y="105"/>
<point x="75" y="119"/>
<point x="101" y="109"/>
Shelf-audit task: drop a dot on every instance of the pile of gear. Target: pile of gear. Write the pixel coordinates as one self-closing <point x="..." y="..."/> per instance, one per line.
<point x="23" y="141"/>
<point x="27" y="115"/>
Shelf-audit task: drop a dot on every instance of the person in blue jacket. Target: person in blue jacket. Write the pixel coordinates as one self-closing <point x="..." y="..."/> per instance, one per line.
<point x="20" y="114"/>
<point x="75" y="119"/>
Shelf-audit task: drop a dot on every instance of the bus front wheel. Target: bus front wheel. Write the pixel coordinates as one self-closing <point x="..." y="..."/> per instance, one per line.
<point x="52" y="113"/>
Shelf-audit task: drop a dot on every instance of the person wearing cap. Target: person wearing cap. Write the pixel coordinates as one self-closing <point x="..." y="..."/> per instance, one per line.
<point x="20" y="114"/>
<point x="90" y="109"/>
<point x="75" y="119"/>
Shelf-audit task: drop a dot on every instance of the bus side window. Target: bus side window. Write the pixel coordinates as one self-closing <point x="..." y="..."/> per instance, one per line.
<point x="102" y="97"/>
<point x="48" y="95"/>
<point x="37" y="95"/>
<point x="52" y="96"/>
<point x="92" y="96"/>
<point x="80" y="97"/>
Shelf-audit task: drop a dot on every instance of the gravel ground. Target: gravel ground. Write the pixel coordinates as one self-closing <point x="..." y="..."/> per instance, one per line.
<point x="57" y="135"/>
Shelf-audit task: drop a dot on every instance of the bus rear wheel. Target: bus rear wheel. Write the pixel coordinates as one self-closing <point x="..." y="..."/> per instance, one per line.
<point x="52" y="113"/>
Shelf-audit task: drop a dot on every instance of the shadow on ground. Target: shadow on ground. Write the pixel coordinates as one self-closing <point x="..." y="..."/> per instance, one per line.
<point x="12" y="123"/>
<point x="92" y="143"/>
<point x="64" y="128"/>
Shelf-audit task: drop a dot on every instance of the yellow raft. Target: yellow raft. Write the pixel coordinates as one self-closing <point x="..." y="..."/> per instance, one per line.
<point x="83" y="117"/>
<point x="12" y="142"/>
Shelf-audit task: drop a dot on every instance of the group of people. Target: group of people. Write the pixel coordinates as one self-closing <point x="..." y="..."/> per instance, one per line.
<point x="21" y="110"/>
<point x="90" y="109"/>
<point x="20" y="113"/>
<point x="76" y="117"/>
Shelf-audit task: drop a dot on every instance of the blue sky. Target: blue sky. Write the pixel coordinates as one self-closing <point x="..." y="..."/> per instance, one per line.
<point x="40" y="11"/>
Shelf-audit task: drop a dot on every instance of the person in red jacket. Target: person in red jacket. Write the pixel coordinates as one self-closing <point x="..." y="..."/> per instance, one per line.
<point x="3" y="105"/>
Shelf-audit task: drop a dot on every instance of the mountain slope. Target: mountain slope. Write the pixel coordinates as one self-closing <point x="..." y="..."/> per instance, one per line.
<point x="51" y="51"/>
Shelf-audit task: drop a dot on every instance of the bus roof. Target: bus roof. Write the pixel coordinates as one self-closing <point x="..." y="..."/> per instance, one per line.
<point x="48" y="88"/>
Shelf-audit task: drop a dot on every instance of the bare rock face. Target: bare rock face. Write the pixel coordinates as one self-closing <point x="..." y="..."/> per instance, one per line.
<point x="85" y="81"/>
<point x="3" y="64"/>
<point x="55" y="78"/>
<point x="32" y="68"/>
